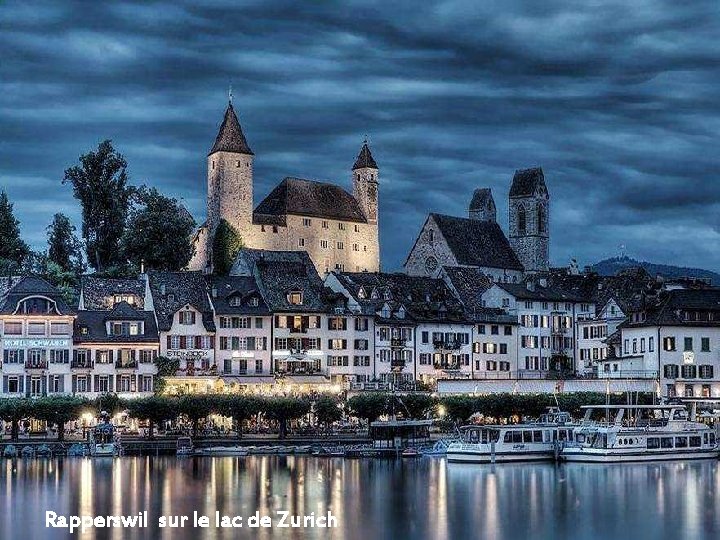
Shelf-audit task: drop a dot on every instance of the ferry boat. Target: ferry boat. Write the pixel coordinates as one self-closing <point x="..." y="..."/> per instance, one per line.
<point x="534" y="441"/>
<point x="620" y="433"/>
<point x="222" y="451"/>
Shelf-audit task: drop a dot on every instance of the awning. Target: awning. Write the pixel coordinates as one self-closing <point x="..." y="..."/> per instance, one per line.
<point x="248" y="379"/>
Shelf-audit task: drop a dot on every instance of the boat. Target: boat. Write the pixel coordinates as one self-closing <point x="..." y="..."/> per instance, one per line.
<point x="10" y="451"/>
<point x="336" y="452"/>
<point x="621" y="433"/>
<point x="184" y="446"/>
<point x="222" y="451"/>
<point x="410" y="453"/>
<point x="439" y="448"/>
<point x="44" y="451"/>
<point x="102" y="443"/>
<point x="533" y="441"/>
<point x="77" y="450"/>
<point x="27" y="452"/>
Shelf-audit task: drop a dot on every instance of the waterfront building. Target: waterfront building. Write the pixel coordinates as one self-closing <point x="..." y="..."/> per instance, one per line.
<point x="36" y="340"/>
<point x="186" y="326"/>
<point x="338" y="229"/>
<point x="674" y="336"/>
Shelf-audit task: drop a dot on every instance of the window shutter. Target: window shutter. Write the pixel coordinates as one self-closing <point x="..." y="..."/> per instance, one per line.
<point x="111" y="383"/>
<point x="168" y="342"/>
<point x="133" y="383"/>
<point x="96" y="383"/>
<point x="61" y="385"/>
<point x="132" y="354"/>
<point x="212" y="342"/>
<point x="264" y="343"/>
<point x="154" y="354"/>
<point x="43" y="385"/>
<point x="22" y="355"/>
<point x="198" y="342"/>
<point x="111" y="356"/>
<point x="74" y="384"/>
<point x="21" y="384"/>
<point x="192" y="317"/>
<point x="5" y="383"/>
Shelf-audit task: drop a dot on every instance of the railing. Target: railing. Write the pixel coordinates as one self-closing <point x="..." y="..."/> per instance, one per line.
<point x="36" y="364"/>
<point x="298" y="329"/>
<point x="557" y="375"/>
<point x="447" y="345"/>
<point x="126" y="364"/>
<point x="82" y="364"/>
<point x="398" y="343"/>
<point x="625" y="374"/>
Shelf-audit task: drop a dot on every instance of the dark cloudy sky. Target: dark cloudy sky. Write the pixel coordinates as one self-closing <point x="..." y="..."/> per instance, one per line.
<point x="617" y="101"/>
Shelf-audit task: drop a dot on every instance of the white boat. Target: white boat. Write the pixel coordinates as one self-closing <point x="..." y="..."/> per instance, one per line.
<point x="621" y="433"/>
<point x="222" y="451"/>
<point x="184" y="446"/>
<point x="102" y="442"/>
<point x="534" y="441"/>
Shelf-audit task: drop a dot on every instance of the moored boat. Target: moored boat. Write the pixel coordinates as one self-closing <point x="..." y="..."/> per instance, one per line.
<point x="184" y="446"/>
<point x="222" y="451"/>
<point x="623" y="433"/>
<point x="535" y="441"/>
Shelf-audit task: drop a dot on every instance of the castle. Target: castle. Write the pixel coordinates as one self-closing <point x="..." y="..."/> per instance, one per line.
<point x="337" y="229"/>
<point x="479" y="242"/>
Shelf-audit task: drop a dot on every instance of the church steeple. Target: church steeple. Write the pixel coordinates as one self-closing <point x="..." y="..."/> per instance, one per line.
<point x="365" y="183"/>
<point x="231" y="138"/>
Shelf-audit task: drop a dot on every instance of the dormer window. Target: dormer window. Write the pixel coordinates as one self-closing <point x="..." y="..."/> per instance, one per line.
<point x="253" y="301"/>
<point x="387" y="295"/>
<point x="295" y="298"/>
<point x="125" y="328"/>
<point x="83" y="330"/>
<point x="374" y="294"/>
<point x="400" y="313"/>
<point x="361" y="293"/>
<point x="235" y="301"/>
<point x="130" y="299"/>
<point x="186" y="317"/>
<point x="385" y="312"/>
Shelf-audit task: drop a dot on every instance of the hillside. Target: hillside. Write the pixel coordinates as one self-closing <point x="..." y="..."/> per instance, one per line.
<point x="610" y="267"/>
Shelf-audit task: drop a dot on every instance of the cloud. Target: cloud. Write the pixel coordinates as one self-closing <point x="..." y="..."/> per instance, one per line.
<point x="616" y="101"/>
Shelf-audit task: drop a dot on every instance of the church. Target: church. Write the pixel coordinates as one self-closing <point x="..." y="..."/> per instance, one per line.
<point x="338" y="229"/>
<point x="479" y="242"/>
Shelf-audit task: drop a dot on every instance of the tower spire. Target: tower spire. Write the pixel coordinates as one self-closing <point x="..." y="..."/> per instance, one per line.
<point x="365" y="159"/>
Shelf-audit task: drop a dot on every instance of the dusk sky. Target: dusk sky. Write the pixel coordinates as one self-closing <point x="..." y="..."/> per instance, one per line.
<point x="617" y="101"/>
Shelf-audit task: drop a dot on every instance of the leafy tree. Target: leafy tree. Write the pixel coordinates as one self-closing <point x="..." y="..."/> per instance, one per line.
<point x="58" y="410"/>
<point x="285" y="409"/>
<point x="64" y="248"/>
<point x="13" y="410"/>
<point x="369" y="406"/>
<point x="12" y="248"/>
<point x="458" y="408"/>
<point x="195" y="407"/>
<point x="415" y="406"/>
<point x="100" y="183"/>
<point x="158" y="232"/>
<point x="154" y="409"/>
<point x="166" y="367"/>
<point x="110" y="403"/>
<point x="327" y="410"/>
<point x="226" y="244"/>
<point x="240" y="408"/>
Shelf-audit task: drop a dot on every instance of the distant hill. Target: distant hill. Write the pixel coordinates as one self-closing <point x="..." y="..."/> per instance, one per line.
<point x="610" y="267"/>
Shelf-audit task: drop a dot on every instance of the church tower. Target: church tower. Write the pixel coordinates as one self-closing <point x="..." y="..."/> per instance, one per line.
<point x="365" y="184"/>
<point x="230" y="177"/>
<point x="482" y="206"/>
<point x="529" y="220"/>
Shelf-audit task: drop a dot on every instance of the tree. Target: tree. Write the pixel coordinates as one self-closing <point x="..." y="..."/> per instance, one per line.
<point x="458" y="408"/>
<point x="12" y="248"/>
<point x="64" y="248"/>
<point x="58" y="410"/>
<point x="100" y="183"/>
<point x="13" y="410"/>
<point x="226" y="244"/>
<point x="369" y="406"/>
<point x="240" y="408"/>
<point x="327" y="410"/>
<point x="154" y="409"/>
<point x="166" y="367"/>
<point x="415" y="406"/>
<point x="195" y="407"/>
<point x="158" y="232"/>
<point x="109" y="403"/>
<point x="285" y="409"/>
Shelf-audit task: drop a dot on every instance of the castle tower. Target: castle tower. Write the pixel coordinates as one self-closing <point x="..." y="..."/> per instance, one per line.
<point x="365" y="183"/>
<point x="482" y="205"/>
<point x="230" y="177"/>
<point x="529" y="220"/>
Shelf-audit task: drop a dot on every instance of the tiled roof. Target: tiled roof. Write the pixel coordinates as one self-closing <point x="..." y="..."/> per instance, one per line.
<point x="525" y="182"/>
<point x="245" y="288"/>
<point x="423" y="298"/>
<point x="365" y="159"/>
<point x="99" y="292"/>
<point x="480" y="198"/>
<point x="94" y="321"/>
<point x="16" y="289"/>
<point x="173" y="290"/>
<point x="549" y="294"/>
<point x="477" y="243"/>
<point x="230" y="137"/>
<point x="277" y="278"/>
<point x="679" y="307"/>
<point x="296" y="196"/>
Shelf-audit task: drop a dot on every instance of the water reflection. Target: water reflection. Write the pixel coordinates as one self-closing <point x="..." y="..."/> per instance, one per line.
<point x="416" y="499"/>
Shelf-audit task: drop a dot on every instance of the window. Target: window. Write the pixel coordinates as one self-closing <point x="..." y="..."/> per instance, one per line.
<point x="186" y="317"/>
<point x="337" y="323"/>
<point x="651" y="344"/>
<point x="324" y="244"/>
<point x="324" y="224"/>
<point x="59" y="329"/>
<point x="340" y="245"/>
<point x="705" y="344"/>
<point x="301" y="242"/>
<point x="671" y="371"/>
<point x="13" y="328"/>
<point x="341" y="226"/>
<point x="59" y="356"/>
<point x="688" y="344"/>
<point x="356" y="247"/>
<point x="36" y="328"/>
<point x="508" y="330"/>
<point x="669" y="343"/>
<point x="521" y="220"/>
<point x="494" y="329"/>
<point x="307" y="222"/>
<point x="361" y="324"/>
<point x="295" y="298"/>
<point x="706" y="372"/>
<point x="688" y="372"/>
<point x="147" y="356"/>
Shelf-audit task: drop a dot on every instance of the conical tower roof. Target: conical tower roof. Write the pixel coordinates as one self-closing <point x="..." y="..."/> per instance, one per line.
<point x="365" y="159"/>
<point x="231" y="138"/>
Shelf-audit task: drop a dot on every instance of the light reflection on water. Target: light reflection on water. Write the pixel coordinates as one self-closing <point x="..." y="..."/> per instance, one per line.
<point x="372" y="499"/>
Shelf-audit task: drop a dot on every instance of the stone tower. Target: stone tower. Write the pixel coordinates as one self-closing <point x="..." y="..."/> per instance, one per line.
<point x="529" y="220"/>
<point x="482" y="206"/>
<point x="365" y="184"/>
<point x="230" y="177"/>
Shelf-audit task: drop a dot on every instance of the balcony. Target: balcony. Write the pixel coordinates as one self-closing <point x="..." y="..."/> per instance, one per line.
<point x="82" y="364"/>
<point x="298" y="329"/>
<point x="447" y="366"/>
<point x="126" y="364"/>
<point x="451" y="345"/>
<point x="36" y="364"/>
<point x="398" y="343"/>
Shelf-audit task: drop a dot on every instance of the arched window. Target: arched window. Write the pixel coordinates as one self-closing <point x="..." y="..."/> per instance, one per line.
<point x="521" y="220"/>
<point x="542" y="226"/>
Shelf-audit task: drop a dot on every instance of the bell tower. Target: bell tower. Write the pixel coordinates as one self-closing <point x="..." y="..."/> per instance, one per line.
<point x="365" y="183"/>
<point x="529" y="219"/>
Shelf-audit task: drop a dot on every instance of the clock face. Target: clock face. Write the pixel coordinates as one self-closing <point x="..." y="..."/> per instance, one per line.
<point x="431" y="264"/>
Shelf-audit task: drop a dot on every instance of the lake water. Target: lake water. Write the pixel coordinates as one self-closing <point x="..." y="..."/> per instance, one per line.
<point x="371" y="499"/>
